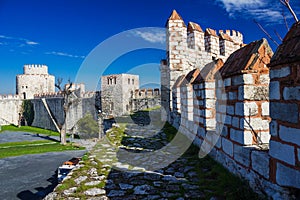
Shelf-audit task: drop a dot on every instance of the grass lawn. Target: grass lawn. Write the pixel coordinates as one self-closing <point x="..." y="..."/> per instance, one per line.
<point x="33" y="147"/>
<point x="29" y="129"/>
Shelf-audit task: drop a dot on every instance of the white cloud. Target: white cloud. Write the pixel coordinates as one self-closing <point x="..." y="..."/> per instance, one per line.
<point x="237" y="5"/>
<point x="16" y="41"/>
<point x="31" y="43"/>
<point x="64" y="54"/>
<point x="263" y="10"/>
<point x="156" y="36"/>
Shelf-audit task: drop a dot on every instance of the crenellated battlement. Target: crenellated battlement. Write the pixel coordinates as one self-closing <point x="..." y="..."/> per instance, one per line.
<point x="48" y="95"/>
<point x="212" y="41"/>
<point x="60" y="95"/>
<point x="146" y="93"/>
<point x="9" y="97"/>
<point x="35" y="69"/>
<point x="191" y="46"/>
<point x="198" y="43"/>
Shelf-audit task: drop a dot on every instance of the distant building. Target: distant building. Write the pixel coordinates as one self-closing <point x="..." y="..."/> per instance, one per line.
<point x="34" y="80"/>
<point x="117" y="90"/>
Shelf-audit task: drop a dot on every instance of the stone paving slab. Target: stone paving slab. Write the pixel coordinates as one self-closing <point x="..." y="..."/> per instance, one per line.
<point x="133" y="170"/>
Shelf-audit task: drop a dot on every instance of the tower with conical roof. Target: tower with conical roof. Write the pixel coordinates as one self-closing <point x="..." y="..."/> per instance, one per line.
<point x="172" y="68"/>
<point x="189" y="48"/>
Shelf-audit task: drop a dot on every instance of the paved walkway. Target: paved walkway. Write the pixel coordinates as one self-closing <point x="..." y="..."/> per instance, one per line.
<point x="31" y="176"/>
<point x="19" y="136"/>
<point x="142" y="167"/>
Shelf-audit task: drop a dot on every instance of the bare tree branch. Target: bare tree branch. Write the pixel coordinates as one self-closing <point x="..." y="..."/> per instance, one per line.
<point x="58" y="84"/>
<point x="285" y="21"/>
<point x="277" y="34"/>
<point x="267" y="34"/>
<point x="286" y="3"/>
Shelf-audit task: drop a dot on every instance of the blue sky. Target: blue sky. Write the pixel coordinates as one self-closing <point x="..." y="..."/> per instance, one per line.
<point x="63" y="34"/>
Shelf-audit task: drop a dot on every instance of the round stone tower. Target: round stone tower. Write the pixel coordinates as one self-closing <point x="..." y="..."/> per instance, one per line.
<point x="34" y="80"/>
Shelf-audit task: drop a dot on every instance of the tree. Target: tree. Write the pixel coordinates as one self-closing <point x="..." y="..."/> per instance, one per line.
<point x="286" y="3"/>
<point x="28" y="111"/>
<point x="67" y="102"/>
<point x="87" y="127"/>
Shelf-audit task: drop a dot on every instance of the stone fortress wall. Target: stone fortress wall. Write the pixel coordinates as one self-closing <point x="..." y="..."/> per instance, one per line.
<point x="116" y="91"/>
<point x="243" y="110"/>
<point x="145" y="98"/>
<point x="36" y="85"/>
<point x="10" y="107"/>
<point x="121" y="94"/>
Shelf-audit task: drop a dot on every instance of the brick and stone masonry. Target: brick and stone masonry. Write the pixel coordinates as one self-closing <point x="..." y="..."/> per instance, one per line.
<point x="116" y="91"/>
<point x="242" y="95"/>
<point x="204" y="104"/>
<point x="284" y="111"/>
<point x="250" y="123"/>
<point x="188" y="48"/>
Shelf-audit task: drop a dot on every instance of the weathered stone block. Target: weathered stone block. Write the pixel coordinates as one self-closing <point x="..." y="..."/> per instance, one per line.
<point x="274" y="90"/>
<point x="252" y="92"/>
<point x="210" y="85"/>
<point x="250" y="109"/>
<point x="237" y="80"/>
<point x="264" y="79"/>
<point x="248" y="79"/>
<point x="230" y="110"/>
<point x="232" y="95"/>
<point x="239" y="109"/>
<point x="284" y="111"/>
<point x="257" y="124"/>
<point x="242" y="154"/>
<point x="201" y="132"/>
<point x="210" y="94"/>
<point x="208" y="113"/>
<point x="273" y="128"/>
<point x="227" y="146"/>
<point x="236" y="122"/>
<point x="224" y="131"/>
<point x="260" y="162"/>
<point x="263" y="137"/>
<point x="282" y="152"/>
<point x="288" y="177"/>
<point x="291" y="93"/>
<point x="210" y="103"/>
<point x="289" y="134"/>
<point x="227" y="82"/>
<point x="242" y="137"/>
<point x="265" y="109"/>
<point x="197" y="141"/>
<point x="280" y="73"/>
<point x="228" y="120"/>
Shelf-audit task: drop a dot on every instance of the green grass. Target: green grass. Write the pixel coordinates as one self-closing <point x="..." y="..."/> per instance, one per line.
<point x="32" y="148"/>
<point x="25" y="143"/>
<point x="29" y="129"/>
<point x="216" y="181"/>
<point x="154" y="108"/>
<point x="116" y="135"/>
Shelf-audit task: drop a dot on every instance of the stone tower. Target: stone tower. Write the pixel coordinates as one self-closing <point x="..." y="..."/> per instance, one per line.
<point x="116" y="92"/>
<point x="34" y="80"/>
<point x="189" y="48"/>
